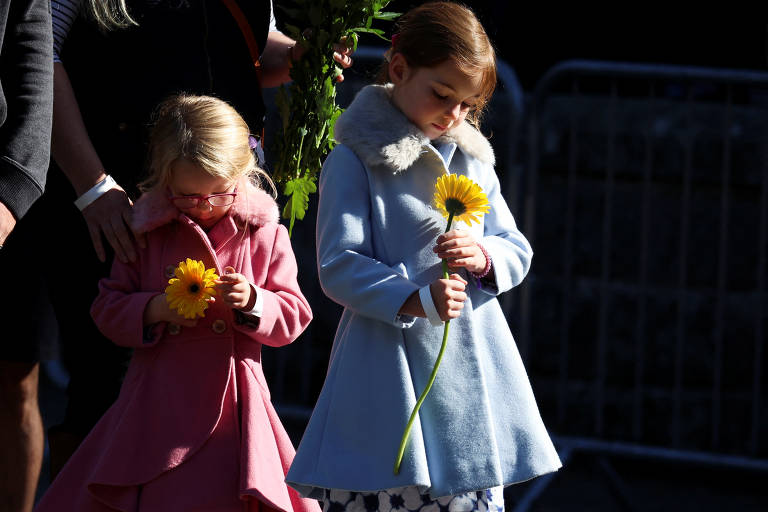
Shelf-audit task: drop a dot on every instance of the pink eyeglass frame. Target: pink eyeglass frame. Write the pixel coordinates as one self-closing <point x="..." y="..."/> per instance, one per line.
<point x="205" y="198"/>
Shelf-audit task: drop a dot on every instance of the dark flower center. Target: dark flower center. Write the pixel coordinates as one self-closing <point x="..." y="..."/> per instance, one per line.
<point x="454" y="206"/>
<point x="194" y="288"/>
<point x="396" y="501"/>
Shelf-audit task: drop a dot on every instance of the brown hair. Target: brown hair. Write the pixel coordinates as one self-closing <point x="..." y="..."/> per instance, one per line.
<point x="435" y="32"/>
<point x="206" y="131"/>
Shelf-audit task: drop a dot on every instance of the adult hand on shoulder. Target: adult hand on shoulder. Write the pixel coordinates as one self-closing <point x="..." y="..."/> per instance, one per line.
<point x="110" y="215"/>
<point x="460" y="250"/>
<point x="7" y="223"/>
<point x="448" y="296"/>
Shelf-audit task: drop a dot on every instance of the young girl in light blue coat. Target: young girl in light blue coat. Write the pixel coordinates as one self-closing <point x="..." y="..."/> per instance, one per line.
<point x="380" y="242"/>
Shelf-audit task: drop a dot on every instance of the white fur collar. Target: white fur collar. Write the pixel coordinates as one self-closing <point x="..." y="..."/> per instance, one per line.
<point x="252" y="205"/>
<point x="381" y="135"/>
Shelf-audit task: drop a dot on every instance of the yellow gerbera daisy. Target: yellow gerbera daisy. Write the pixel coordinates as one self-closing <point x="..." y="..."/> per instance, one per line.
<point x="459" y="198"/>
<point x="189" y="292"/>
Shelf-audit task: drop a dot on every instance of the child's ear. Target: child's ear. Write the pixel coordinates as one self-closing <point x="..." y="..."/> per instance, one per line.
<point x="399" y="71"/>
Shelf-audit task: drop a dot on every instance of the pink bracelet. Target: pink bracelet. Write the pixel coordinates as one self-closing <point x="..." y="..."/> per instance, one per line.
<point x="487" y="264"/>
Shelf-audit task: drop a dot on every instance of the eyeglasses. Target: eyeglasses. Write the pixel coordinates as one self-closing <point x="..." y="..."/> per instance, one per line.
<point x="187" y="202"/>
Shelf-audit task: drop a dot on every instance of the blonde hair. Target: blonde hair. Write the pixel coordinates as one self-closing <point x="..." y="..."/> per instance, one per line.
<point x="110" y="14"/>
<point x="436" y="32"/>
<point x="205" y="131"/>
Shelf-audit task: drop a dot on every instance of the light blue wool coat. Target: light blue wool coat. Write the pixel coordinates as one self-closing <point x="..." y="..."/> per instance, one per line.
<point x="479" y="426"/>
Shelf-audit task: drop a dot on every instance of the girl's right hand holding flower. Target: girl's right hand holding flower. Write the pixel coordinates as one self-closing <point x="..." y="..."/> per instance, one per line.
<point x="448" y="296"/>
<point x="157" y="310"/>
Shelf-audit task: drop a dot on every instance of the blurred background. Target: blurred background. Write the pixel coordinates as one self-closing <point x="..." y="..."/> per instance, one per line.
<point x="632" y="145"/>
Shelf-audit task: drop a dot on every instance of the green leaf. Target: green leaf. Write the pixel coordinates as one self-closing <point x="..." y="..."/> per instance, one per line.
<point x="308" y="107"/>
<point x="298" y="190"/>
<point x="376" y="31"/>
<point x="355" y="38"/>
<point x="387" y="16"/>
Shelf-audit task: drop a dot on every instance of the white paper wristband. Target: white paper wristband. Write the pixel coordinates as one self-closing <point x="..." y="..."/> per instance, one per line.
<point x="429" y="307"/>
<point x="95" y="192"/>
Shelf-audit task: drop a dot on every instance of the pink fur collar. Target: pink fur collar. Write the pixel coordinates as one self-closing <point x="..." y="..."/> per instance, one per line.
<point x="253" y="205"/>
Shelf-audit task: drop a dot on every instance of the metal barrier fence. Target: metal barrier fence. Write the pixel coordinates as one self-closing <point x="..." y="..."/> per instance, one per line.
<point x="642" y="321"/>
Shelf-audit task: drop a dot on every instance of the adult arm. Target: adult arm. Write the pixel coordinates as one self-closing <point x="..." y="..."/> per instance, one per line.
<point x="281" y="52"/>
<point x="25" y="109"/>
<point x="73" y="151"/>
<point x="109" y="214"/>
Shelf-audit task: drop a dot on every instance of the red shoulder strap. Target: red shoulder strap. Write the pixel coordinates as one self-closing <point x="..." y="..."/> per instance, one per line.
<point x="250" y="40"/>
<point x="246" y="30"/>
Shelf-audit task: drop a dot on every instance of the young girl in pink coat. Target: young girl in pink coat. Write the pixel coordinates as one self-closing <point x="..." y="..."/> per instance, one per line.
<point x="194" y="428"/>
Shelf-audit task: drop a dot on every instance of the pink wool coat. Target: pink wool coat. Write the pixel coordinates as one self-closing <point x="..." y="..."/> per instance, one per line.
<point x="193" y="427"/>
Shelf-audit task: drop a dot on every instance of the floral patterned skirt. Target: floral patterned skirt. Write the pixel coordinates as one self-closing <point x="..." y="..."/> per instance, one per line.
<point x="408" y="499"/>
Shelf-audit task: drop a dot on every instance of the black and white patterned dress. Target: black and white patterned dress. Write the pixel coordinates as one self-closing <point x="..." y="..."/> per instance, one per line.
<point x="408" y="499"/>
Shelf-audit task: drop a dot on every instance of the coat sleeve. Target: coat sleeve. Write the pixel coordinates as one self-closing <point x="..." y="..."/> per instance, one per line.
<point x="509" y="250"/>
<point x="349" y="272"/>
<point x="118" y="310"/>
<point x="285" y="312"/>
<point x="26" y="84"/>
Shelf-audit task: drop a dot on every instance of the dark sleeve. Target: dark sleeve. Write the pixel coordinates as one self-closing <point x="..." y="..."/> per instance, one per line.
<point x="26" y="102"/>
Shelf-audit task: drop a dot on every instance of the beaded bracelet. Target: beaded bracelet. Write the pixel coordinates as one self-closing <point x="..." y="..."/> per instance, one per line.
<point x="95" y="192"/>
<point x="488" y="264"/>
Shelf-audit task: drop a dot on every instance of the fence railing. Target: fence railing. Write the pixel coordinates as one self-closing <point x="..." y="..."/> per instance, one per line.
<point x="643" y="319"/>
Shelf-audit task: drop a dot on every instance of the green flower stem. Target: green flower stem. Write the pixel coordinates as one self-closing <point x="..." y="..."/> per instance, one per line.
<point x="303" y="133"/>
<point x="446" y="326"/>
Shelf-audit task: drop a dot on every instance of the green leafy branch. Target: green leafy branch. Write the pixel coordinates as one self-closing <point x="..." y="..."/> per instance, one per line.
<point x="307" y="106"/>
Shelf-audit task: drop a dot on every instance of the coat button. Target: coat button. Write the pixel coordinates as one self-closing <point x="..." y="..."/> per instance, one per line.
<point x="174" y="329"/>
<point x="170" y="271"/>
<point x="219" y="326"/>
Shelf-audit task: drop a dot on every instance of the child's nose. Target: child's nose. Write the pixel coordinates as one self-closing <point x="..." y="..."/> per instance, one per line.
<point x="205" y="205"/>
<point x="454" y="111"/>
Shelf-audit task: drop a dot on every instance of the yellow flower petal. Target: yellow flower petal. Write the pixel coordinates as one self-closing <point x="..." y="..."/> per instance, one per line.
<point x="461" y="196"/>
<point x="189" y="292"/>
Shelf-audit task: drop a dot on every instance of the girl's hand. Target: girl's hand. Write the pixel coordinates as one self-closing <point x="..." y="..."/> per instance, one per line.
<point x="235" y="290"/>
<point x="460" y="250"/>
<point x="448" y="296"/>
<point x="157" y="310"/>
